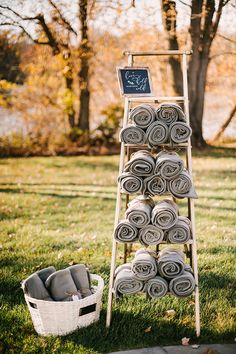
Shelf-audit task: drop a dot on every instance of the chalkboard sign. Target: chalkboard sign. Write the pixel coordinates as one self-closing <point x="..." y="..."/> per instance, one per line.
<point x="135" y="81"/>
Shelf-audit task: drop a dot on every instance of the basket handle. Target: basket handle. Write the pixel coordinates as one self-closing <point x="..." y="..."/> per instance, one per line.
<point x="100" y="281"/>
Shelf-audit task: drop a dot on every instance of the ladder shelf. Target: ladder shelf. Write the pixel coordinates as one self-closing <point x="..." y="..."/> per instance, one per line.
<point x="125" y="152"/>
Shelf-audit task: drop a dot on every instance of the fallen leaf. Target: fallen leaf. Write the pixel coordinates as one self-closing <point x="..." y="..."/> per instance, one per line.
<point x="59" y="255"/>
<point x="195" y="346"/>
<point x="185" y="341"/>
<point x="170" y="313"/>
<point x="72" y="263"/>
<point x="148" y="329"/>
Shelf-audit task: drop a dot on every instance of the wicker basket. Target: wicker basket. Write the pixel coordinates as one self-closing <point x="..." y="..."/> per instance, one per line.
<point x="60" y="318"/>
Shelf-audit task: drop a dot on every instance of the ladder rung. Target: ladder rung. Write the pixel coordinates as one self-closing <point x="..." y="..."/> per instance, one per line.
<point x="160" y="52"/>
<point x="156" y="99"/>
<point x="184" y="145"/>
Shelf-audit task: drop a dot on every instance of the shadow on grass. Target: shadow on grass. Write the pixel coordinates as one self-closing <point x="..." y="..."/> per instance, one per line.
<point x="85" y="194"/>
<point x="216" y="152"/>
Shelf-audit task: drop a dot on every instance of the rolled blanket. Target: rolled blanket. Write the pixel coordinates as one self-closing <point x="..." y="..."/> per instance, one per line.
<point x="156" y="287"/>
<point x="168" y="165"/>
<point x="157" y="133"/>
<point x="132" y="135"/>
<point x="183" y="285"/>
<point x="125" y="282"/>
<point x="150" y="235"/>
<point x="144" y="265"/>
<point x="81" y="279"/>
<point x="34" y="287"/>
<point x="180" y="232"/>
<point x="61" y="285"/>
<point x="143" y="115"/>
<point x="170" y="263"/>
<point x="170" y="113"/>
<point x="164" y="214"/>
<point x="182" y="186"/>
<point x="141" y="163"/>
<point x="125" y="232"/>
<point x="139" y="211"/>
<point x="179" y="132"/>
<point x="154" y="185"/>
<point x="130" y="184"/>
<point x="45" y="272"/>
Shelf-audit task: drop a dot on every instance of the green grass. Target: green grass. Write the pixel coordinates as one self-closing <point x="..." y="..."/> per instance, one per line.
<point x="61" y="209"/>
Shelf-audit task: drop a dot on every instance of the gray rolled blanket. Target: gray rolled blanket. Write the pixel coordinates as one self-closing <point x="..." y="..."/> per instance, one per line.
<point x="150" y="235"/>
<point x="157" y="133"/>
<point x="139" y="211"/>
<point x="125" y="283"/>
<point x="179" y="132"/>
<point x="182" y="186"/>
<point x="81" y="278"/>
<point x="164" y="214"/>
<point x="183" y="285"/>
<point x="144" y="265"/>
<point x="132" y="135"/>
<point x="141" y="163"/>
<point x="156" y="287"/>
<point x="168" y="165"/>
<point x="130" y="184"/>
<point x="180" y="232"/>
<point x="143" y="115"/>
<point x="45" y="272"/>
<point x="154" y="185"/>
<point x="170" y="113"/>
<point x="34" y="287"/>
<point x="170" y="263"/>
<point x="126" y="232"/>
<point x="61" y="286"/>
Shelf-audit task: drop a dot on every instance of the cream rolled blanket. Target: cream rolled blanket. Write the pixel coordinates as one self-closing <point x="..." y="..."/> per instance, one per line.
<point x="168" y="165"/>
<point x="139" y="211"/>
<point x="132" y="135"/>
<point x="130" y="184"/>
<point x="125" y="282"/>
<point x="150" y="235"/>
<point x="141" y="163"/>
<point x="170" y="113"/>
<point x="142" y="116"/>
<point x="182" y="186"/>
<point x="170" y="263"/>
<point x="180" y="232"/>
<point x="154" y="185"/>
<point x="144" y="265"/>
<point x="165" y="214"/>
<point x="156" y="287"/>
<point x="125" y="232"/>
<point x="183" y="285"/>
<point x="157" y="133"/>
<point x="179" y="132"/>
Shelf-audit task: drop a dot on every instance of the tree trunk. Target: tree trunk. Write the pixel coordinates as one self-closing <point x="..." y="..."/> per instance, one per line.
<point x="84" y="99"/>
<point x="69" y="95"/>
<point x="169" y="13"/>
<point x="196" y="99"/>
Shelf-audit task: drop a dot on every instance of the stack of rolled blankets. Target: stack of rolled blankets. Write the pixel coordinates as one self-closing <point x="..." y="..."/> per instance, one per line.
<point x="156" y="126"/>
<point x="155" y="275"/>
<point x="151" y="223"/>
<point x="156" y="175"/>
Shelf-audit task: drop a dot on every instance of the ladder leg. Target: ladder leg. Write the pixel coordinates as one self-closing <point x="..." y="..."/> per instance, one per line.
<point x="117" y="214"/>
<point x="191" y="211"/>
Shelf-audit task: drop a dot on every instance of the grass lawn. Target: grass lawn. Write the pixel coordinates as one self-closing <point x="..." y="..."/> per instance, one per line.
<point x="57" y="210"/>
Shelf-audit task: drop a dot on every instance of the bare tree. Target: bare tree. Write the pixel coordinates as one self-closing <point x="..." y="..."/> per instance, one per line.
<point x="59" y="33"/>
<point x="205" y="18"/>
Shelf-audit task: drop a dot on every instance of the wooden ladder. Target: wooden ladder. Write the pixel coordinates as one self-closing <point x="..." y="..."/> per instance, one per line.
<point x="125" y="150"/>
